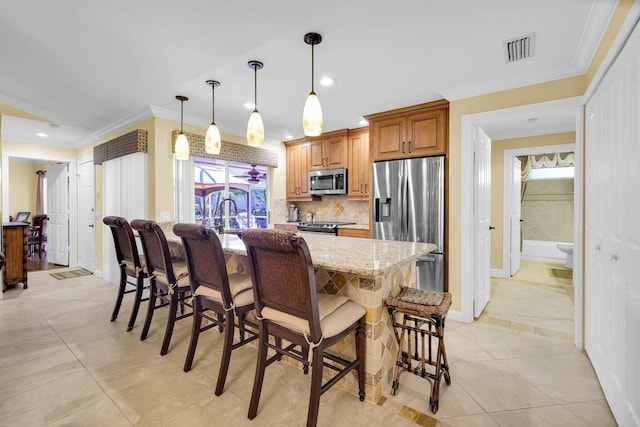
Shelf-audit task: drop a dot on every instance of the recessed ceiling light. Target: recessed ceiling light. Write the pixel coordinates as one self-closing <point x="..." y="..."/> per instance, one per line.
<point x="249" y="105"/>
<point x="288" y="137"/>
<point x="363" y="122"/>
<point x="327" y="81"/>
<point x="42" y="134"/>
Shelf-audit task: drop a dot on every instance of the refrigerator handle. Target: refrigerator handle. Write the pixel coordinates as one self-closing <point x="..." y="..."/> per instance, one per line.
<point x="404" y="189"/>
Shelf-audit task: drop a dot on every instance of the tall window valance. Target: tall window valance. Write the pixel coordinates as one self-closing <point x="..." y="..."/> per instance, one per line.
<point x="133" y="142"/>
<point x="547" y="160"/>
<point x="229" y="151"/>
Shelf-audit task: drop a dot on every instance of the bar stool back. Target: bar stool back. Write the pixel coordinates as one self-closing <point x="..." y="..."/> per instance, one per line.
<point x="289" y="308"/>
<point x="169" y="279"/>
<point x="130" y="263"/>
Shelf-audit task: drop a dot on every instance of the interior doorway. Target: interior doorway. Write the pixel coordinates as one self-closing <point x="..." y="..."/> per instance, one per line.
<point x="469" y="255"/>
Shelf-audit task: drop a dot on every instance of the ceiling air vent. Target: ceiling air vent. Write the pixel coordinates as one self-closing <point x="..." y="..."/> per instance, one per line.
<point x="519" y="48"/>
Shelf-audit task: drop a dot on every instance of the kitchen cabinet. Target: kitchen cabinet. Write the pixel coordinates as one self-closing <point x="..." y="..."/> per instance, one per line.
<point x="416" y="131"/>
<point x="14" y="246"/>
<point x="328" y="151"/>
<point x="353" y="232"/>
<point x="298" y="171"/>
<point x="359" y="166"/>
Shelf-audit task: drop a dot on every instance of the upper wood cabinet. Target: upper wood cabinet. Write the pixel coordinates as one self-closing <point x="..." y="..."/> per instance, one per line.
<point x="417" y="131"/>
<point x="328" y="151"/>
<point x="298" y="171"/>
<point x="359" y="167"/>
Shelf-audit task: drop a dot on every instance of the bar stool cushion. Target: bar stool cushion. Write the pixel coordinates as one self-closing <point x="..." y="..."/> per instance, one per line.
<point x="241" y="292"/>
<point x="336" y="313"/>
<point x="414" y="301"/>
<point x="131" y="267"/>
<point x="181" y="273"/>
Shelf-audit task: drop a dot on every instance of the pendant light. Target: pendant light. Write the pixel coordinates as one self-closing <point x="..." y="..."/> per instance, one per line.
<point x="182" y="144"/>
<point x="312" y="114"/>
<point x="255" y="128"/>
<point x="212" y="142"/>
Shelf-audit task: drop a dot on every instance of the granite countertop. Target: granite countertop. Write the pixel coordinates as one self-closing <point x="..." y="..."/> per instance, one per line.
<point x="364" y="257"/>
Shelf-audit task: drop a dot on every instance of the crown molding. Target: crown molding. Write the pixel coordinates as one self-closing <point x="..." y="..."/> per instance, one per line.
<point x="114" y="127"/>
<point x="594" y="30"/>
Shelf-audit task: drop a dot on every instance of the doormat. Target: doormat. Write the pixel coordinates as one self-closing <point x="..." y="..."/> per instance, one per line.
<point x="79" y="272"/>
<point x="561" y="273"/>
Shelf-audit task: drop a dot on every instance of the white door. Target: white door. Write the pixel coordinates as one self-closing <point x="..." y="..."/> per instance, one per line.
<point x="516" y="183"/>
<point x="482" y="214"/>
<point x="612" y="234"/>
<point x="58" y="212"/>
<point x="86" y="216"/>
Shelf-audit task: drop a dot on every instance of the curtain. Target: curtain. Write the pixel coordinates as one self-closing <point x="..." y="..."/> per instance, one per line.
<point x="526" y="169"/>
<point x="551" y="160"/>
<point x="124" y="189"/>
<point x="39" y="195"/>
<point x="184" y="190"/>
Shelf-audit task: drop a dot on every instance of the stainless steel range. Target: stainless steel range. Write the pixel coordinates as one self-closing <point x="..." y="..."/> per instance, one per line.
<point x="321" y="226"/>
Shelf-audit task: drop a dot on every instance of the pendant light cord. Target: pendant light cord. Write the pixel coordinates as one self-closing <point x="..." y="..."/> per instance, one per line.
<point x="255" y="88"/>
<point x="181" y="114"/>
<point x="213" y="104"/>
<point x="312" y="69"/>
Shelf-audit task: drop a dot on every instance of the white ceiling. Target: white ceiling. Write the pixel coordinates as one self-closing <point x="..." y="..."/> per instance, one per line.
<point x="95" y="67"/>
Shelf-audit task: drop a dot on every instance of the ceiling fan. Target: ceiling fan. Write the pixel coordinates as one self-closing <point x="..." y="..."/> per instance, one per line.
<point x="253" y="175"/>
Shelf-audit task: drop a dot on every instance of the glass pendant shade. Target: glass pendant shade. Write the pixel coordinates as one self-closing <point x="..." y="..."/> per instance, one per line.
<point x="212" y="141"/>
<point x="182" y="147"/>
<point x="312" y="116"/>
<point x="255" y="130"/>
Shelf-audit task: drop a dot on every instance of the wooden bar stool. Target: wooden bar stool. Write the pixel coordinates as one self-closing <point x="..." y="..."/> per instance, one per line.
<point x="421" y="313"/>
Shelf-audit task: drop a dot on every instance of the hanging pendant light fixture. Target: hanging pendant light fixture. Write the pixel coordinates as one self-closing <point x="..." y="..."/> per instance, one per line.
<point x="255" y="128"/>
<point x="212" y="141"/>
<point x="312" y="114"/>
<point x="182" y="144"/>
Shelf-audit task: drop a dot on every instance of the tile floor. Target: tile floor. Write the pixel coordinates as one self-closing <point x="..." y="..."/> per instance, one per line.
<point x="63" y="363"/>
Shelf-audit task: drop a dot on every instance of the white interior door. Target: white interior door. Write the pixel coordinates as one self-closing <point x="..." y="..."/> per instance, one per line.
<point x="516" y="183"/>
<point x="86" y="216"/>
<point x="612" y="234"/>
<point x="482" y="213"/>
<point x="58" y="212"/>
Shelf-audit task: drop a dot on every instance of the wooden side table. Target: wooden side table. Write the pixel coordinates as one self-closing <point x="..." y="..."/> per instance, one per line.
<point x="15" y="248"/>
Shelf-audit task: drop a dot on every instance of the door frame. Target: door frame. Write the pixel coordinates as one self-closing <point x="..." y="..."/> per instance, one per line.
<point x="468" y="123"/>
<point x="73" y="193"/>
<point x="506" y="202"/>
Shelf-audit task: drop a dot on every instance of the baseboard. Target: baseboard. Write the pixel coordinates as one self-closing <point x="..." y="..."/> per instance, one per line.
<point x="501" y="274"/>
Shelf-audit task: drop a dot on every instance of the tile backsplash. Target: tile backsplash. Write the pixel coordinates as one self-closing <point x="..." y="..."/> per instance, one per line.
<point x="330" y="208"/>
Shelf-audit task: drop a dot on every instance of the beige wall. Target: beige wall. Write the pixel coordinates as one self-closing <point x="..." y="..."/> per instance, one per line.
<point x="22" y="188"/>
<point x="497" y="181"/>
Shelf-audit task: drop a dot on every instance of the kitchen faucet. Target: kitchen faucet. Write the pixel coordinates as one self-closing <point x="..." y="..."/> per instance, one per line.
<point x="221" y="210"/>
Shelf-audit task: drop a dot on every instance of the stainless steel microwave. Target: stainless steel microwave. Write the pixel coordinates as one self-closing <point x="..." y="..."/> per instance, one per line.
<point x="328" y="181"/>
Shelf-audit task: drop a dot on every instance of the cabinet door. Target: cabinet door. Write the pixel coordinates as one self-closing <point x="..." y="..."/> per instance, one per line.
<point x="336" y="152"/>
<point x="317" y="154"/>
<point x="426" y="133"/>
<point x="292" y="165"/>
<point x="389" y="138"/>
<point x="304" y="157"/>
<point x="359" y="173"/>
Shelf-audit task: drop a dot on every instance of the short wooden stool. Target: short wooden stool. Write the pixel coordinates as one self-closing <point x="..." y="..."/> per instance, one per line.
<point x="423" y="313"/>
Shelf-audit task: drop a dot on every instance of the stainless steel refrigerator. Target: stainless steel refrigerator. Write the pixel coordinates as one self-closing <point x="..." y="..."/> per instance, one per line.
<point x="408" y="205"/>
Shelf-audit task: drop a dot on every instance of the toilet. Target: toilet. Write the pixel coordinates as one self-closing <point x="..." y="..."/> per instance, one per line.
<point x="567" y="249"/>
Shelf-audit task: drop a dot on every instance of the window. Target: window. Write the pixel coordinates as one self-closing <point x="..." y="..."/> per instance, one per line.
<point x="552" y="173"/>
<point x="247" y="190"/>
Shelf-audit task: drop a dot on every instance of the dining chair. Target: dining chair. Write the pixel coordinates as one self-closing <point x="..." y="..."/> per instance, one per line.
<point x="169" y="279"/>
<point x="289" y="308"/>
<point x="37" y="234"/>
<point x="131" y="266"/>
<point x="229" y="296"/>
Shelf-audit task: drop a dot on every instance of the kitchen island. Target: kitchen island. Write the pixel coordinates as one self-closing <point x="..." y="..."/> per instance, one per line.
<point x="365" y="271"/>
